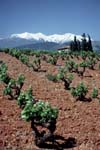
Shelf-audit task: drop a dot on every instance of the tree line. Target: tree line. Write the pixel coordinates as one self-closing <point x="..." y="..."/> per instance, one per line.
<point x="84" y="45"/>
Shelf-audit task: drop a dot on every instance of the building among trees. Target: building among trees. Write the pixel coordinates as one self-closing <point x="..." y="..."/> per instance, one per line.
<point x="64" y="49"/>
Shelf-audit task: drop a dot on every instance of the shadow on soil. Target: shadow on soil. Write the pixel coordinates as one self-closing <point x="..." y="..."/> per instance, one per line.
<point x="59" y="143"/>
<point x="85" y="99"/>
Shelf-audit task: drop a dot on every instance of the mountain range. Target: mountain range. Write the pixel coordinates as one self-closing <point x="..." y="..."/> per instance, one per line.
<point x="41" y="41"/>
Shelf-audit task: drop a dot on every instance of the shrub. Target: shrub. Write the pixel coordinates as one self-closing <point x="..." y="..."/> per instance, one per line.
<point x="83" y="65"/>
<point x="36" y="64"/>
<point x="20" y="80"/>
<point x="67" y="79"/>
<point x="15" y="53"/>
<point x="24" y="59"/>
<point x="61" y="73"/>
<point x="91" y="63"/>
<point x="84" y="55"/>
<point x="40" y="112"/>
<point x="8" y="89"/>
<point x="3" y="67"/>
<point x="24" y="97"/>
<point x="13" y="88"/>
<point x="3" y="73"/>
<point x="70" y="65"/>
<point x="52" y="60"/>
<point x="75" y="68"/>
<point x="80" y="91"/>
<point x="52" y="77"/>
<point x="94" y="93"/>
<point x="6" y="50"/>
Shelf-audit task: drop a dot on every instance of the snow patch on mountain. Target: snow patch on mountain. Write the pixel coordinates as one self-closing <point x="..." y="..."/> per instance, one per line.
<point x="57" y="38"/>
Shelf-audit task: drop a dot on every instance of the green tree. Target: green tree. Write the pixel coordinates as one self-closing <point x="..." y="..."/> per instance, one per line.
<point x="84" y="43"/>
<point x="74" y="44"/>
<point x="89" y="44"/>
<point x="78" y="45"/>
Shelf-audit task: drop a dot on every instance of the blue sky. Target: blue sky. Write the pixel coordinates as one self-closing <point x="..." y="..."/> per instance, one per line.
<point x="50" y="17"/>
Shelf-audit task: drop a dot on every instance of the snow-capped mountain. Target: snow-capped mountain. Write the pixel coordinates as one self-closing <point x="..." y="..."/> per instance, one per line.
<point x="56" y="38"/>
<point x="40" y="41"/>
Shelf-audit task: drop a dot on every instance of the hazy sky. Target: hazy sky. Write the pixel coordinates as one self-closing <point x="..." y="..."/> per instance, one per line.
<point x="50" y="17"/>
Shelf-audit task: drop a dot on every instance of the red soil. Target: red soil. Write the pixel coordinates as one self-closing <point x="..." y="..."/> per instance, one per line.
<point x="78" y="120"/>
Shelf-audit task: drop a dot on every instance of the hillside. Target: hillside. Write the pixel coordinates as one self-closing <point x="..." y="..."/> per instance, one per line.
<point x="78" y="123"/>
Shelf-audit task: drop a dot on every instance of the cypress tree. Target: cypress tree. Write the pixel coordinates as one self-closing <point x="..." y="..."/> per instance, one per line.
<point x="72" y="46"/>
<point x="75" y="44"/>
<point x="79" y="45"/>
<point x="84" y="43"/>
<point x="89" y="43"/>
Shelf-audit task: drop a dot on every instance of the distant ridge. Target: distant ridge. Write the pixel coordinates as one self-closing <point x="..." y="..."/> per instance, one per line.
<point x="41" y="41"/>
<point x="56" y="38"/>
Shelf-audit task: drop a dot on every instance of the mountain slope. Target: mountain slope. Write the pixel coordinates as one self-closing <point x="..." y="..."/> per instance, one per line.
<point x="14" y="42"/>
<point x="41" y="41"/>
<point x="43" y="46"/>
<point x="37" y="40"/>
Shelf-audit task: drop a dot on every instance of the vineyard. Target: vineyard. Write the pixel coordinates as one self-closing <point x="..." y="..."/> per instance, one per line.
<point x="49" y="100"/>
